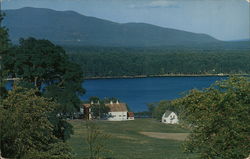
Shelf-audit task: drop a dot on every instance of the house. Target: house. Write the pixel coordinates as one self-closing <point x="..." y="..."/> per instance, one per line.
<point x="169" y="117"/>
<point x="131" y="116"/>
<point x="118" y="111"/>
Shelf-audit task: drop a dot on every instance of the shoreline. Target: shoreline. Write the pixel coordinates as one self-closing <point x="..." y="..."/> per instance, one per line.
<point x="165" y="75"/>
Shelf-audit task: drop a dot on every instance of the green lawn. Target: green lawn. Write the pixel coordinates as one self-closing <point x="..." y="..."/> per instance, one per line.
<point x="127" y="142"/>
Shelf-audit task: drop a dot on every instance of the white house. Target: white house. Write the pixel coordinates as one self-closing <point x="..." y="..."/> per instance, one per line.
<point x="169" y="118"/>
<point x="118" y="111"/>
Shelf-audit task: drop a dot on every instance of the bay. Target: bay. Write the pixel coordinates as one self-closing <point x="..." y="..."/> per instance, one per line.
<point x="138" y="92"/>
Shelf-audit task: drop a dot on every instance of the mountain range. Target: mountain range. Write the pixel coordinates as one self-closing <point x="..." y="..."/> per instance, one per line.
<point x="72" y="28"/>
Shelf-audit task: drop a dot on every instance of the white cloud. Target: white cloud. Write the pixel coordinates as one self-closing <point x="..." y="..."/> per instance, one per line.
<point x="156" y="4"/>
<point x="163" y="4"/>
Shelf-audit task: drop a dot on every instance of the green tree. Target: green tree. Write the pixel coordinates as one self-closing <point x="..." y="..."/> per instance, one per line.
<point x="109" y="99"/>
<point x="26" y="131"/>
<point x="151" y="108"/>
<point x="4" y="38"/>
<point x="100" y="110"/>
<point x="42" y="65"/>
<point x="219" y="118"/>
<point x="160" y="108"/>
<point x="4" y="48"/>
<point x="45" y="66"/>
<point x="94" y="99"/>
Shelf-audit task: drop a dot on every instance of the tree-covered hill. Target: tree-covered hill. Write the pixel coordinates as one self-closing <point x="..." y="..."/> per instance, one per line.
<point x="68" y="27"/>
<point x="115" y="62"/>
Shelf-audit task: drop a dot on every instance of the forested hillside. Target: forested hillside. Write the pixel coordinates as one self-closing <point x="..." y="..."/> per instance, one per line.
<point x="133" y="62"/>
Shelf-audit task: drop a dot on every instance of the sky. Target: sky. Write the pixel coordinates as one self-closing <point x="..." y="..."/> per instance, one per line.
<point x="223" y="19"/>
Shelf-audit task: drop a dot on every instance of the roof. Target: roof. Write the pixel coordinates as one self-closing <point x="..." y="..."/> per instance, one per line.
<point x="87" y="105"/>
<point x="117" y="107"/>
<point x="167" y="113"/>
<point x="131" y="114"/>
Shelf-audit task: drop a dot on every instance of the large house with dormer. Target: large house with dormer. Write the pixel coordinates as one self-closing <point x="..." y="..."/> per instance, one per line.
<point x="118" y="111"/>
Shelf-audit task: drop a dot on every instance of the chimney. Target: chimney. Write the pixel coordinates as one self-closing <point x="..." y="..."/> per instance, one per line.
<point x="117" y="102"/>
<point x="98" y="102"/>
<point x="91" y="102"/>
<point x="111" y="102"/>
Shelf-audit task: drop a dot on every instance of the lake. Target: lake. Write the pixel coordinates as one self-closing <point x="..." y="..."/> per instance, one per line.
<point x="138" y="92"/>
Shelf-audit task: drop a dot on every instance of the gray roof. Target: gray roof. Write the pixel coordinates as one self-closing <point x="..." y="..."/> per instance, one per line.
<point x="167" y="113"/>
<point x="117" y="107"/>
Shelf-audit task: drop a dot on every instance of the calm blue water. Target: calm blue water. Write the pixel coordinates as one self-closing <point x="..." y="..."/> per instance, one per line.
<point x="138" y="92"/>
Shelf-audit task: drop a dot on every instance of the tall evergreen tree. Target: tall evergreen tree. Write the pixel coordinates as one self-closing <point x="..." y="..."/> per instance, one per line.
<point x="4" y="46"/>
<point x="4" y="39"/>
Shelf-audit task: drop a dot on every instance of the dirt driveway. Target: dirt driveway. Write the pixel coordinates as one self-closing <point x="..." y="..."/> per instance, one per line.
<point x="168" y="136"/>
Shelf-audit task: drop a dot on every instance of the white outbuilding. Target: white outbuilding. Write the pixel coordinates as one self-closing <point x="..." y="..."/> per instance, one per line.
<point x="169" y="118"/>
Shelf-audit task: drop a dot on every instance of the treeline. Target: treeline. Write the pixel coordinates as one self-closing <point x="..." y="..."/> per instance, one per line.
<point x="104" y="62"/>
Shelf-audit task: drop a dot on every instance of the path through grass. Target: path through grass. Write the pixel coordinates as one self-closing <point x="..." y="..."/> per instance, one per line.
<point x="127" y="141"/>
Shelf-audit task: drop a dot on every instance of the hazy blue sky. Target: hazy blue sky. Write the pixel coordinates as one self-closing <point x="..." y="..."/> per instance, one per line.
<point x="223" y="19"/>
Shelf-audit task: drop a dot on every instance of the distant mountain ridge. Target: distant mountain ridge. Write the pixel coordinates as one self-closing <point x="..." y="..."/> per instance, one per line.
<point x="72" y="28"/>
<point x="239" y="40"/>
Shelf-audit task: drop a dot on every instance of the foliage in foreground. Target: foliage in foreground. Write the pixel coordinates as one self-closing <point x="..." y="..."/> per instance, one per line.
<point x="25" y="128"/>
<point x="219" y="118"/>
<point x="96" y="140"/>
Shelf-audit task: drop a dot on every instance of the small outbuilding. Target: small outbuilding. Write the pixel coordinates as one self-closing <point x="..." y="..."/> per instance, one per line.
<point x="170" y="117"/>
<point x="131" y="116"/>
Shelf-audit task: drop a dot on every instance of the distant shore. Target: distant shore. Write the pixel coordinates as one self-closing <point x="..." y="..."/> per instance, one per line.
<point x="168" y="75"/>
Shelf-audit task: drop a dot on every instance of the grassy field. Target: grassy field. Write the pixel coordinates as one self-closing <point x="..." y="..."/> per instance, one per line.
<point x="138" y="139"/>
